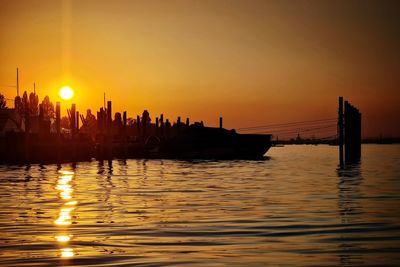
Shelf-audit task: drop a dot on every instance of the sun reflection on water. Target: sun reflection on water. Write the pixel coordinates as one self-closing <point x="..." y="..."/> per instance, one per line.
<point x="67" y="252"/>
<point x="64" y="218"/>
<point x="63" y="238"/>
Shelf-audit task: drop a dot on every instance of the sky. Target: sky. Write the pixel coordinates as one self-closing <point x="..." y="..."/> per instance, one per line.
<point x="252" y="62"/>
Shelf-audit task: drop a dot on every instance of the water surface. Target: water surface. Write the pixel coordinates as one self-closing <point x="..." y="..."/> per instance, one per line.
<point x="297" y="208"/>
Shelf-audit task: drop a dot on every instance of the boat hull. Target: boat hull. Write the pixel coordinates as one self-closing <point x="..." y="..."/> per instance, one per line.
<point x="220" y="144"/>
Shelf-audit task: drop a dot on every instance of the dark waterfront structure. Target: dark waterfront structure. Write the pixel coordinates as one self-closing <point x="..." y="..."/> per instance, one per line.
<point x="349" y="133"/>
<point x="42" y="138"/>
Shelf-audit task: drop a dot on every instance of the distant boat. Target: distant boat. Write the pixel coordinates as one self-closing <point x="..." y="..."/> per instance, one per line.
<point x="199" y="142"/>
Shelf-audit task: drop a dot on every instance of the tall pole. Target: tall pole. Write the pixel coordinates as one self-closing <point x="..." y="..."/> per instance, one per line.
<point x="34" y="88"/>
<point x="17" y="83"/>
<point x="340" y="131"/>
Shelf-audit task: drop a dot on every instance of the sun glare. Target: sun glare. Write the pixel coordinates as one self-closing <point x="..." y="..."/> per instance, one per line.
<point x="66" y="93"/>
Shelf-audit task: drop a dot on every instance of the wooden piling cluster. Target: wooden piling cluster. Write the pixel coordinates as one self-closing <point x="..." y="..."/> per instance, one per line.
<point x="102" y="137"/>
<point x="349" y="133"/>
<point x="115" y="138"/>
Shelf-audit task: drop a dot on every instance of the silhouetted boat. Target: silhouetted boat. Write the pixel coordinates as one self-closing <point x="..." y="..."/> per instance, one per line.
<point x="37" y="142"/>
<point x="199" y="142"/>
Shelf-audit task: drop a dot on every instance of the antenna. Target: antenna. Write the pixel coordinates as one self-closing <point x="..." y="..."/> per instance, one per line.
<point x="17" y="83"/>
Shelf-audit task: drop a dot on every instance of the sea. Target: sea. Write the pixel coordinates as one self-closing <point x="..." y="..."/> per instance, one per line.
<point x="294" y="208"/>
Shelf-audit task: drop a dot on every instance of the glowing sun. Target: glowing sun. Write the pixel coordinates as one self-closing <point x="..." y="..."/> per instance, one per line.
<point x="66" y="93"/>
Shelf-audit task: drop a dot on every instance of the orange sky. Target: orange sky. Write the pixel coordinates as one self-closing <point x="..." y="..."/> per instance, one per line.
<point x="254" y="62"/>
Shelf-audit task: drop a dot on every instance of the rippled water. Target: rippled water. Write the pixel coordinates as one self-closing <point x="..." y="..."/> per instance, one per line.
<point x="296" y="208"/>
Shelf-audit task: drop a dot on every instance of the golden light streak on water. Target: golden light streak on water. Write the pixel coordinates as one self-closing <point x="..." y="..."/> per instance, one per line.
<point x="67" y="252"/>
<point x="65" y="218"/>
<point x="63" y="238"/>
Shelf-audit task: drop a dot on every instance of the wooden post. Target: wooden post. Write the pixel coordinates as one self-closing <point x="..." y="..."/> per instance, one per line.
<point x="347" y="131"/>
<point x="144" y="125"/>
<point x="58" y="118"/>
<point x="41" y="130"/>
<point x="100" y="137"/>
<point x="178" y="125"/>
<point x="340" y="131"/>
<point x="359" y="136"/>
<point x="58" y="131"/>
<point x="77" y="122"/>
<point x="100" y="121"/>
<point x="162" y="125"/>
<point x="73" y="130"/>
<point x="220" y="122"/>
<point x="124" y="135"/>
<point x="124" y="119"/>
<point x="27" y="132"/>
<point x="138" y="124"/>
<point x="156" y="126"/>
<point x="109" y="130"/>
<point x="352" y="133"/>
<point x="109" y="117"/>
<point x="167" y="128"/>
<point x="27" y="120"/>
<point x="72" y="122"/>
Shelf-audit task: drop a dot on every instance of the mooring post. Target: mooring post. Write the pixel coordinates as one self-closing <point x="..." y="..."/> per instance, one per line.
<point x="352" y="134"/>
<point x="109" y="117"/>
<point x="340" y="131"/>
<point x="167" y="128"/>
<point x="109" y="130"/>
<point x="73" y="130"/>
<point x="58" y="131"/>
<point x="41" y="130"/>
<point x="162" y="125"/>
<point x="100" y="121"/>
<point x="138" y="125"/>
<point x="27" y="132"/>
<point x="359" y="135"/>
<point x="124" y="119"/>
<point x="100" y="151"/>
<point x="124" y="130"/>
<point x="58" y="118"/>
<point x="347" y="132"/>
<point x="73" y="116"/>
<point x="156" y="126"/>
<point x="77" y="122"/>
<point x="178" y="125"/>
